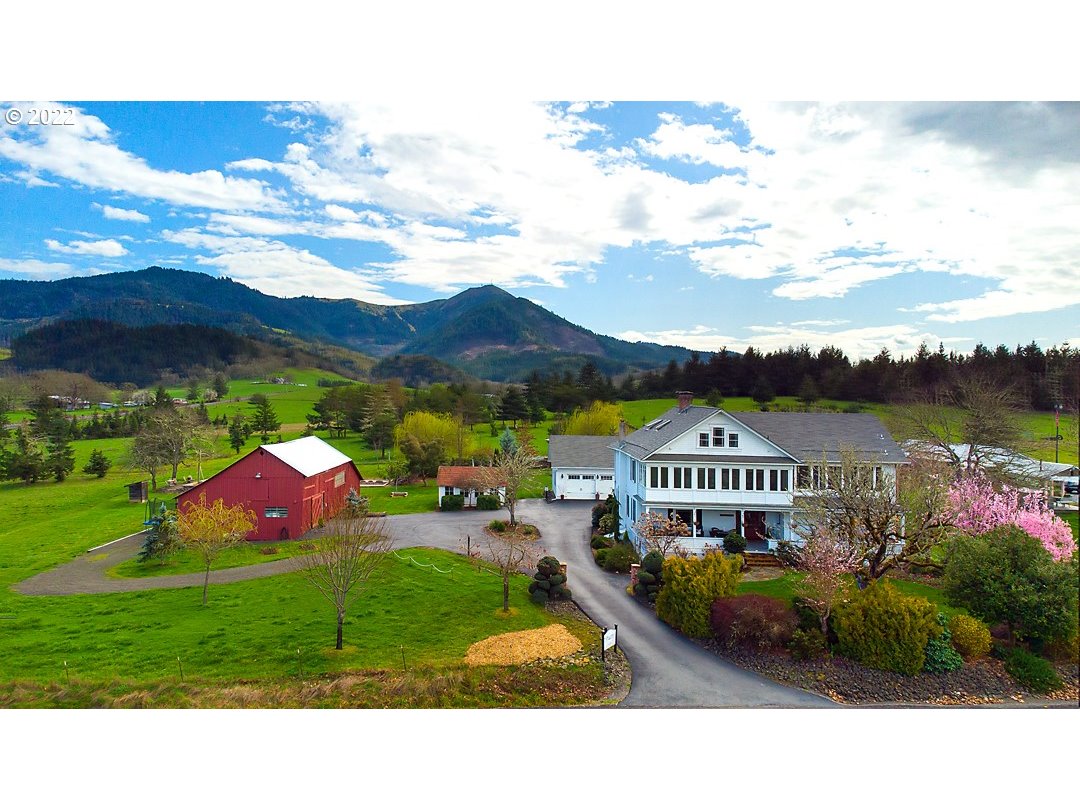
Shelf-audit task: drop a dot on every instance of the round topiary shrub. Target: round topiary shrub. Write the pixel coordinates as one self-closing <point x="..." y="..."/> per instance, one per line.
<point x="645" y="578"/>
<point x="653" y="562"/>
<point x="734" y="543"/>
<point x="970" y="637"/>
<point x="540" y="597"/>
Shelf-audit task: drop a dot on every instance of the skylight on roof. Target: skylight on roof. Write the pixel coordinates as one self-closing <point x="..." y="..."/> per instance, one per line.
<point x="652" y="424"/>
<point x="663" y="424"/>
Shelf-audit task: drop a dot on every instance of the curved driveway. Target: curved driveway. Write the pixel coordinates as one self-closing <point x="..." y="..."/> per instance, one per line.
<point x="668" y="670"/>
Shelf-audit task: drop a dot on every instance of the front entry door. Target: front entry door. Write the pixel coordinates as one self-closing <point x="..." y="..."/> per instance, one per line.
<point x="755" y="526"/>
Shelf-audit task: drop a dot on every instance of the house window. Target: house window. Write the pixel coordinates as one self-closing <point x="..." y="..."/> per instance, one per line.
<point x="774" y="480"/>
<point x="633" y="471"/>
<point x="725" y="478"/>
<point x="703" y="440"/>
<point x="834" y="478"/>
<point x="802" y="477"/>
<point x="735" y="478"/>
<point x="276" y="511"/>
<point x="339" y="479"/>
<point x="717" y="437"/>
<point x="733" y="440"/>
<point x="749" y="479"/>
<point x="676" y="482"/>
<point x="663" y="478"/>
<point x="760" y="480"/>
<point x="701" y="478"/>
<point x="654" y="477"/>
<point x="712" y="478"/>
<point x="784" y="481"/>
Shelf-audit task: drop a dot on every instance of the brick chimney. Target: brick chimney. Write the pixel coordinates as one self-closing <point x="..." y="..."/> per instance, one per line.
<point x="685" y="399"/>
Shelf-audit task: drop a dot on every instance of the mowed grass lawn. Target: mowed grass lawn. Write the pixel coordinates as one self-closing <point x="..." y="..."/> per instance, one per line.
<point x="252" y="630"/>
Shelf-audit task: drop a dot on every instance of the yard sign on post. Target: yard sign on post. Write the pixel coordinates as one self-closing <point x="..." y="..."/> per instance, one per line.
<point x="609" y="637"/>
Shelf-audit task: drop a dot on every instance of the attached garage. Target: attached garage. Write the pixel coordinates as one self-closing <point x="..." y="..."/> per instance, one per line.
<point x="582" y="467"/>
<point x="290" y="486"/>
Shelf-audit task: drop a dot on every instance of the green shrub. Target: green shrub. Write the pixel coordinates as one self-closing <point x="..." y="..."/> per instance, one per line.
<point x="939" y="655"/>
<point x="452" y="503"/>
<point x="882" y="628"/>
<point x="653" y="562"/>
<point x="487" y="501"/>
<point x="808" y="643"/>
<point x="498" y="526"/>
<point x="690" y="587"/>
<point x="619" y="558"/>
<point x="752" y="620"/>
<point x="557" y="579"/>
<point x="606" y="524"/>
<point x="539" y="596"/>
<point x="734" y="543"/>
<point x="645" y="578"/>
<point x="640" y="589"/>
<point x="1031" y="671"/>
<point x="970" y="637"/>
<point x="599" y="541"/>
<point x="600" y="555"/>
<point x="598" y="512"/>
<point x="1005" y="575"/>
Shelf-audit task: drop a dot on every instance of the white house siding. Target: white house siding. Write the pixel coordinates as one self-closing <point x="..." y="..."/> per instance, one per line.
<point x="582" y="483"/>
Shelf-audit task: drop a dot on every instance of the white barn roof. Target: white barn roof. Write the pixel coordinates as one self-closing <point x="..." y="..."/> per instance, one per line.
<point x="308" y="456"/>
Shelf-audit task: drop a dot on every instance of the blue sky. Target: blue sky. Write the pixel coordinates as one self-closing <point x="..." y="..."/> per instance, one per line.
<point x="708" y="225"/>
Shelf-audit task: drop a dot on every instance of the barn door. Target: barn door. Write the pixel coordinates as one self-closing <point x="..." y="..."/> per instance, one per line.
<point x="316" y="509"/>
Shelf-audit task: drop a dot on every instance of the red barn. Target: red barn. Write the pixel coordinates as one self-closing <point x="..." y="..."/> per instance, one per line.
<point x="290" y="486"/>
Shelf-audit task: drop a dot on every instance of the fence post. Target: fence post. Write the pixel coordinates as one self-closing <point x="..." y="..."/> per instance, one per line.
<point x="603" y="632"/>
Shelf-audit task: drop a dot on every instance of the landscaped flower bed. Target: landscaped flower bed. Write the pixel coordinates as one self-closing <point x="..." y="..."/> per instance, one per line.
<point x="978" y="682"/>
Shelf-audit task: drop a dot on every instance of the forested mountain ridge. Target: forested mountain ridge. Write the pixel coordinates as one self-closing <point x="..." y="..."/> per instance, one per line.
<point x="484" y="331"/>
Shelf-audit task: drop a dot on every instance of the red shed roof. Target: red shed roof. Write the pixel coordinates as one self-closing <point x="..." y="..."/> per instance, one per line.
<point x="457" y="476"/>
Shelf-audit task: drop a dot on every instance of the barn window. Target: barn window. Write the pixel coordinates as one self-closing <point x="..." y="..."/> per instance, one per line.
<point x="276" y="511"/>
<point x="339" y="479"/>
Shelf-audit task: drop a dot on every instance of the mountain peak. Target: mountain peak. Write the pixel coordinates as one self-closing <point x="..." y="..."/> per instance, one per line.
<point x="485" y="292"/>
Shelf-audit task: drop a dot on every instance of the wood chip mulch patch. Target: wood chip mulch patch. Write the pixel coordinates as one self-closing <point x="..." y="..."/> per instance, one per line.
<point x="976" y="683"/>
<point x="553" y="641"/>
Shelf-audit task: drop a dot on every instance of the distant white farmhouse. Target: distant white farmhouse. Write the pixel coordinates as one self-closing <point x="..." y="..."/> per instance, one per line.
<point x="582" y="467"/>
<point x="718" y="471"/>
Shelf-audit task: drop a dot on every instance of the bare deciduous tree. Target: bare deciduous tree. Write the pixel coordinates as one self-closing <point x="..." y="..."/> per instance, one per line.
<point x="975" y="424"/>
<point x="354" y="546"/>
<point x="886" y="524"/>
<point x="510" y="470"/>
<point x="662" y="533"/>
<point x="209" y="530"/>
<point x="512" y="551"/>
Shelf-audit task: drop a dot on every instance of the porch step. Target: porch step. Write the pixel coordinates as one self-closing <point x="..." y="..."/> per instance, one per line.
<point x="759" y="559"/>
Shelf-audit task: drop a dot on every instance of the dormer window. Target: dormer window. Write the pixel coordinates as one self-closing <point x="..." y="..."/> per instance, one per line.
<point x="733" y="440"/>
<point x="703" y="440"/>
<point x="717" y="437"/>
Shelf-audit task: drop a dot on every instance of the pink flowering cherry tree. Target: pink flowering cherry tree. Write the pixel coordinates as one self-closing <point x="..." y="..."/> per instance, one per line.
<point x="980" y="507"/>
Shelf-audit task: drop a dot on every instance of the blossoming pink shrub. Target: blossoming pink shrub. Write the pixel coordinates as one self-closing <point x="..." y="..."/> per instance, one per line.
<point x="980" y="508"/>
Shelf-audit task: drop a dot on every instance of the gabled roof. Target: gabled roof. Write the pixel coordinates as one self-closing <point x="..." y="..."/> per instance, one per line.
<point x="806" y="437"/>
<point x="308" y="456"/>
<point x="655" y="434"/>
<point x="581" y="451"/>
<point x="1012" y="462"/>
<point x="462" y="477"/>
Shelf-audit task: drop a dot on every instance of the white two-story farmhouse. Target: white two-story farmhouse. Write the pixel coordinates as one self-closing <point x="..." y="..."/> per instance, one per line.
<point x="718" y="471"/>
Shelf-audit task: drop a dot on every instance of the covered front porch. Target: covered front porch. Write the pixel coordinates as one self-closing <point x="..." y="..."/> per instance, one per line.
<point x="763" y="529"/>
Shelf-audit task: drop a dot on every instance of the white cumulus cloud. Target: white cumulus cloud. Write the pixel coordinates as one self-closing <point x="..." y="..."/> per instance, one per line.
<point x="100" y="247"/>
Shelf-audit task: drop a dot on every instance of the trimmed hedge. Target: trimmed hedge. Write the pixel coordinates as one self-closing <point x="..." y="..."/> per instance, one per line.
<point x="487" y="502"/>
<point x="882" y="628"/>
<point x="618" y="558"/>
<point x="734" y="543"/>
<point x="452" y="503"/>
<point x="690" y="588"/>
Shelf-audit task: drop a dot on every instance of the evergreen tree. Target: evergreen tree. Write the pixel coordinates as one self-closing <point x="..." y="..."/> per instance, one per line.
<point x="220" y="384"/>
<point x="762" y="392"/>
<point x="98" y="464"/>
<point x="25" y="459"/>
<point x="264" y="421"/>
<point x="513" y="407"/>
<point x="60" y="458"/>
<point x="238" y="432"/>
